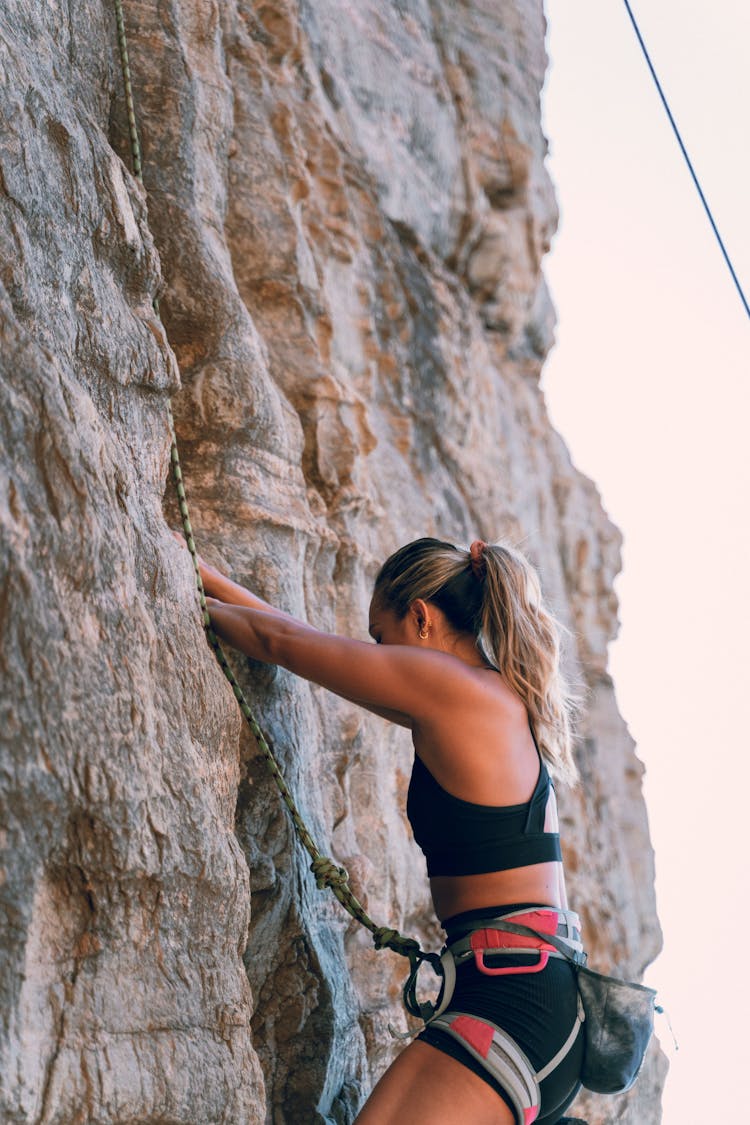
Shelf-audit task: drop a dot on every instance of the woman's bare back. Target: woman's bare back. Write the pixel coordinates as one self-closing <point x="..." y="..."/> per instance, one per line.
<point x="483" y="752"/>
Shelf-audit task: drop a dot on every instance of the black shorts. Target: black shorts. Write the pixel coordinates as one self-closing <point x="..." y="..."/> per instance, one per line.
<point x="537" y="1009"/>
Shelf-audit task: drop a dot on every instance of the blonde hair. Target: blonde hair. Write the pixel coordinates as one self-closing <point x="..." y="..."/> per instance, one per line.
<point x="499" y="601"/>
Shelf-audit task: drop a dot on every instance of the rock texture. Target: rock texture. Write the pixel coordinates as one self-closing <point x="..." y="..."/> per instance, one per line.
<point x="345" y="214"/>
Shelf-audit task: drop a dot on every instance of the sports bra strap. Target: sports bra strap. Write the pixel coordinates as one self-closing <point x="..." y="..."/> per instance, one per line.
<point x="536" y="744"/>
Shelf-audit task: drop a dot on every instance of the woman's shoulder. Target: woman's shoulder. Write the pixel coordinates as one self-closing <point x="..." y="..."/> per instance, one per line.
<point x="481" y="748"/>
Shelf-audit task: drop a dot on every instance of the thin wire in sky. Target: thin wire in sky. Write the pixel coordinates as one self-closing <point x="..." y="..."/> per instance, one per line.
<point x="687" y="159"/>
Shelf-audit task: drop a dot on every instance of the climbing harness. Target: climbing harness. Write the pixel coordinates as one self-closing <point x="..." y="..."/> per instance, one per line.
<point x="556" y="933"/>
<point x="479" y="941"/>
<point x="617" y="1016"/>
<point x="327" y="872"/>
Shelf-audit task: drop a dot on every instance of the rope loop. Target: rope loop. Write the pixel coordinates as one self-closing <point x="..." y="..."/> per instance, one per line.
<point x="328" y="874"/>
<point x="422" y="1010"/>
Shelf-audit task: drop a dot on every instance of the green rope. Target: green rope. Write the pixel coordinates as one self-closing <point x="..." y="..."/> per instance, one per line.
<point x="122" y="43"/>
<point x="327" y="873"/>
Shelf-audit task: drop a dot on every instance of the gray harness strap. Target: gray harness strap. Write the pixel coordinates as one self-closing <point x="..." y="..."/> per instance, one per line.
<point x="500" y="1055"/>
<point x="567" y="1045"/>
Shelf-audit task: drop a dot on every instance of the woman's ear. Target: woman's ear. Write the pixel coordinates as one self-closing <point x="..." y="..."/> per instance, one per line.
<point x="420" y="612"/>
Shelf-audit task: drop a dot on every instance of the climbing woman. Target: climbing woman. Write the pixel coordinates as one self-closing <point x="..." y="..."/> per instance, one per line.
<point x="468" y="659"/>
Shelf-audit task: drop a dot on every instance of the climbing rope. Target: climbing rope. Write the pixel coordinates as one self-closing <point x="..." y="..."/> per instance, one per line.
<point x="676" y="131"/>
<point x="327" y="873"/>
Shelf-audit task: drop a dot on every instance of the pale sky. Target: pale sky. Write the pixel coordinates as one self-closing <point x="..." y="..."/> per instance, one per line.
<point x="649" y="385"/>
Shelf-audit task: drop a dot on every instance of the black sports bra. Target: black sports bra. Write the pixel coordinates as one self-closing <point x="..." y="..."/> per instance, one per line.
<point x="461" y="838"/>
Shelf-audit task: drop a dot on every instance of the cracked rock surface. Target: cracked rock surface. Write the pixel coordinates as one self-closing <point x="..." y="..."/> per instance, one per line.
<point x="344" y="215"/>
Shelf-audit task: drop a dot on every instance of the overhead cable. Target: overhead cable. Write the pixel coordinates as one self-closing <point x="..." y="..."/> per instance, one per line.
<point x="687" y="159"/>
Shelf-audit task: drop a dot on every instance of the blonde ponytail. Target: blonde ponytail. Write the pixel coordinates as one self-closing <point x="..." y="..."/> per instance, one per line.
<point x="497" y="597"/>
<point x="522" y="639"/>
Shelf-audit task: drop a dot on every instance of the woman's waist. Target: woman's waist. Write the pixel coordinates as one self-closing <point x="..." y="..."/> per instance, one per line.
<point x="483" y="926"/>
<point x="541" y="884"/>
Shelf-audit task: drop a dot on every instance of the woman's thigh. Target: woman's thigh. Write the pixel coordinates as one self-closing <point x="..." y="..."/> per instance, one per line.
<point x="424" y="1084"/>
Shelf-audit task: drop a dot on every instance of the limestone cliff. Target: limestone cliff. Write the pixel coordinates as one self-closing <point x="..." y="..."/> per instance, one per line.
<point x="345" y="214"/>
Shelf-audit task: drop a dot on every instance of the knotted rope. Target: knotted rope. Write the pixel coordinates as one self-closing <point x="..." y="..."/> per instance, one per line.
<point x="327" y="873"/>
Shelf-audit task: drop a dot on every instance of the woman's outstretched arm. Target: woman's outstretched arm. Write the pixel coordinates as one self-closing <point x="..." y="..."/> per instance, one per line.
<point x="227" y="628"/>
<point x="219" y="587"/>
<point x="396" y="678"/>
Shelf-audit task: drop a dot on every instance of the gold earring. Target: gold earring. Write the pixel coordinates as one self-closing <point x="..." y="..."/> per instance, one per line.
<point x="424" y="632"/>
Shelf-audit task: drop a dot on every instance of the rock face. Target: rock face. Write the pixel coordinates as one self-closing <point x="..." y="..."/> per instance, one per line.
<point x="345" y="214"/>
